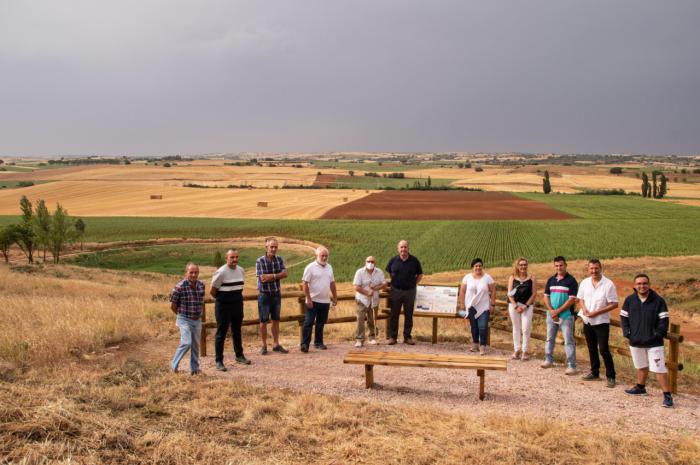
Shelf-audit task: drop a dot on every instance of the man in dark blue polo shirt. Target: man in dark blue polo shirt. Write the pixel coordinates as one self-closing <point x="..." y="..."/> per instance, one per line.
<point x="406" y="272"/>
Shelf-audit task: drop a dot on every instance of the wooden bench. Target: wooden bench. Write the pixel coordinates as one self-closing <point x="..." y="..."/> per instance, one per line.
<point x="398" y="359"/>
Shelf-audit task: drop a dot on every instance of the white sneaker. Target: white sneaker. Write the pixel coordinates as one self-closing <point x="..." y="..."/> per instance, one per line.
<point x="372" y="342"/>
<point x="570" y="371"/>
<point x="358" y="344"/>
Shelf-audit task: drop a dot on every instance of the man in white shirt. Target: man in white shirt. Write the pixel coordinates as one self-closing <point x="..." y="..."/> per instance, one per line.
<point x="597" y="297"/>
<point x="227" y="290"/>
<point x="368" y="281"/>
<point x="319" y="283"/>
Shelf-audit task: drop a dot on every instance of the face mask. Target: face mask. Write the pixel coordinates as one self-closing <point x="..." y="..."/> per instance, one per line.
<point x="370" y="266"/>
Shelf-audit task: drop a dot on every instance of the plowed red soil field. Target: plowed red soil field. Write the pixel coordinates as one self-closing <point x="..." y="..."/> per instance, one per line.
<point x="444" y="205"/>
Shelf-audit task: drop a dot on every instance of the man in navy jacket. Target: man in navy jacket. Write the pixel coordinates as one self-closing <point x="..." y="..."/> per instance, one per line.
<point x="644" y="318"/>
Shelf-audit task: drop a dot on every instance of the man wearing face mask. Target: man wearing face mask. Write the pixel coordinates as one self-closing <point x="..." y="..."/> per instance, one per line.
<point x="368" y="281"/>
<point x="319" y="283"/>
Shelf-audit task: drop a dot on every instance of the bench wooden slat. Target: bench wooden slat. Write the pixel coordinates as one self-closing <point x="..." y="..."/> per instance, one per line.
<point x="488" y="364"/>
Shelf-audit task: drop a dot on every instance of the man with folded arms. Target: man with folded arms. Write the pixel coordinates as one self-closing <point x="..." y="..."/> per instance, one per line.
<point x="644" y="318"/>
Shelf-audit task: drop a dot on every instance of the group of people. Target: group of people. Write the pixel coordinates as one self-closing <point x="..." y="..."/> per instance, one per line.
<point x="644" y="314"/>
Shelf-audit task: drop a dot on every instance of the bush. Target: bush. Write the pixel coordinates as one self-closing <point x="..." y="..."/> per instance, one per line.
<point x="616" y="170"/>
<point x="602" y="192"/>
<point x="478" y="169"/>
<point x="25" y="183"/>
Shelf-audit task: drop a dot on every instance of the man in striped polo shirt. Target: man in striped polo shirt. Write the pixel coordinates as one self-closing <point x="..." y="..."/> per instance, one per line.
<point x="559" y="298"/>
<point x="227" y="289"/>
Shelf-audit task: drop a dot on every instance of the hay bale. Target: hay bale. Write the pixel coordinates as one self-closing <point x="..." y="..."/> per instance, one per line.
<point x="156" y="197"/>
<point x="262" y="204"/>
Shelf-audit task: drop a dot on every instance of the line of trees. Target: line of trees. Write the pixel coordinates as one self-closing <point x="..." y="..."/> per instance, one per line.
<point x="657" y="188"/>
<point x="40" y="231"/>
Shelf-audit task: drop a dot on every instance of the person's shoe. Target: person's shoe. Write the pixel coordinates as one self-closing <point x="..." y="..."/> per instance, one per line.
<point x="516" y="355"/>
<point x="196" y="372"/>
<point x="590" y="377"/>
<point x="174" y="370"/>
<point x="304" y="348"/>
<point x="280" y="349"/>
<point x="358" y="343"/>
<point x="372" y="342"/>
<point x="546" y="364"/>
<point x="525" y="357"/>
<point x="668" y="401"/>
<point x="611" y="382"/>
<point x="409" y="341"/>
<point x="220" y="366"/>
<point x="320" y="347"/>
<point x="636" y="391"/>
<point x="474" y="347"/>
<point x="263" y="350"/>
<point x="570" y="371"/>
<point x="242" y="360"/>
<point x="391" y="341"/>
<point x="482" y="350"/>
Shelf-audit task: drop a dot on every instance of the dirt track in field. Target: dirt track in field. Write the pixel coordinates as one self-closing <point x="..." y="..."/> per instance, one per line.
<point x="444" y="205"/>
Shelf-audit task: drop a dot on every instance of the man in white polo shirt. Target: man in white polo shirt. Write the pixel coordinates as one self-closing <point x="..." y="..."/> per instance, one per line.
<point x="227" y="289"/>
<point x="597" y="297"/>
<point x="319" y="283"/>
<point x="368" y="281"/>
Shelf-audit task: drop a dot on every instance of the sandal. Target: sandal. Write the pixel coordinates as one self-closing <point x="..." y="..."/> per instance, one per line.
<point x="516" y="355"/>
<point x="525" y="356"/>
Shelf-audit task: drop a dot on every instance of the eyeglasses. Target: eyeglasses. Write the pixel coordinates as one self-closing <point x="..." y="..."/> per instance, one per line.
<point x="370" y="261"/>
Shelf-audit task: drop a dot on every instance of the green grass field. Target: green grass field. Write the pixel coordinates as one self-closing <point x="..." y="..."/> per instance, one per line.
<point x="14" y="184"/>
<point x="611" y="227"/>
<point x="171" y="259"/>
<point x="370" y="182"/>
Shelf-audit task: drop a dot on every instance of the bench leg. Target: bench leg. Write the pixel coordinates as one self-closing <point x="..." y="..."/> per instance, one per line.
<point x="480" y="374"/>
<point x="369" y="376"/>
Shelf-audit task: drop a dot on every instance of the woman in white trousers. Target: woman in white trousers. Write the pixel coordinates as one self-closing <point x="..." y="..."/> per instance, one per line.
<point x="522" y="291"/>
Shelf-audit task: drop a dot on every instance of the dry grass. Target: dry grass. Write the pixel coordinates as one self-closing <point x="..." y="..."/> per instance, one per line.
<point x="134" y="412"/>
<point x="105" y="407"/>
<point x="111" y="198"/>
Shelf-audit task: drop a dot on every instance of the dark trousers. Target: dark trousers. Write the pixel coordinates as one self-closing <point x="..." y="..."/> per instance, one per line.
<point x="397" y="299"/>
<point x="480" y="328"/>
<point x="228" y="314"/>
<point x="597" y="340"/>
<point x="319" y="313"/>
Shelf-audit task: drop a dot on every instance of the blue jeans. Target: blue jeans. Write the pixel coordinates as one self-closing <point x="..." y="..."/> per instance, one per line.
<point x="480" y="328"/>
<point x="567" y="330"/>
<point x="190" y="332"/>
<point x="269" y="306"/>
<point x="319" y="313"/>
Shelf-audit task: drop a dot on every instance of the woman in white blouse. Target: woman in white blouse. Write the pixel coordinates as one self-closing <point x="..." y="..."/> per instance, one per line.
<point x="477" y="297"/>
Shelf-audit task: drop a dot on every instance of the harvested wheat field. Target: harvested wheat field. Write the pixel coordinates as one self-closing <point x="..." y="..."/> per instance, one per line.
<point x="211" y="174"/>
<point x="443" y="205"/>
<point x="106" y="198"/>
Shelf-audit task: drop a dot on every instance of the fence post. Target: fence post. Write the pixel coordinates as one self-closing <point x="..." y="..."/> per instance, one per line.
<point x="673" y="356"/>
<point x="203" y="345"/>
<point x="435" y="330"/>
<point x="302" y="312"/>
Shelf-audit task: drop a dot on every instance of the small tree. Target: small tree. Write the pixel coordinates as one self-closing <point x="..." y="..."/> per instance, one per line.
<point x="25" y="237"/>
<point x="430" y="182"/>
<point x="546" y="185"/>
<point x="654" y="186"/>
<point x="663" y="187"/>
<point x="7" y="238"/>
<point x="218" y="259"/>
<point x="42" y="226"/>
<point x="645" y="185"/>
<point x="80" y="231"/>
<point x="62" y="232"/>
<point x="616" y="170"/>
<point x="351" y="173"/>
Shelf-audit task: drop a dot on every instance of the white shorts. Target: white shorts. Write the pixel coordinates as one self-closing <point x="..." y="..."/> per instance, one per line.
<point x="649" y="357"/>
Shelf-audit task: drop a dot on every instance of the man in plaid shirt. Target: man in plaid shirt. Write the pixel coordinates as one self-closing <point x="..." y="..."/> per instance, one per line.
<point x="187" y="302"/>
<point x="270" y="270"/>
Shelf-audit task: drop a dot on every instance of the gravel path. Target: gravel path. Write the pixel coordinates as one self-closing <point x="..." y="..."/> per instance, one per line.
<point x="524" y="390"/>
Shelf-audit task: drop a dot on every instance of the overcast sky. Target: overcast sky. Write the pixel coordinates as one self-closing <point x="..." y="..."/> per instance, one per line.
<point x="164" y="77"/>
